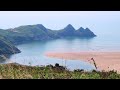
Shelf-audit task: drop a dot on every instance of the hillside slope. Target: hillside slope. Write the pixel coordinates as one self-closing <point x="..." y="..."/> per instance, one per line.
<point x="6" y="49"/>
<point x="38" y="32"/>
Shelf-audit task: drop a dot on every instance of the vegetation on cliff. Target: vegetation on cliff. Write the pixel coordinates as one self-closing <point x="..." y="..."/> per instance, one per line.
<point x="16" y="71"/>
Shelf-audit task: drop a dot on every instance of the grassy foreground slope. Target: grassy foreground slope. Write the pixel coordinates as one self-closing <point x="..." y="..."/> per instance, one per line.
<point x="16" y="71"/>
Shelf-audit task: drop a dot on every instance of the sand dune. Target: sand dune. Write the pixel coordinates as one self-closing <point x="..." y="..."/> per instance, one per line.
<point x="104" y="60"/>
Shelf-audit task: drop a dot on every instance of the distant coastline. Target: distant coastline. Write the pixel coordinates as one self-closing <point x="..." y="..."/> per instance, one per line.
<point x="38" y="32"/>
<point x="24" y="34"/>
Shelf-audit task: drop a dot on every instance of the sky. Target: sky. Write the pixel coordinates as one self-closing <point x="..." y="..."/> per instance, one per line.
<point x="100" y="22"/>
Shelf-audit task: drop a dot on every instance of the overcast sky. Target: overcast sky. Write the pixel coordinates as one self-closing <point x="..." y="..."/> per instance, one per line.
<point x="95" y="20"/>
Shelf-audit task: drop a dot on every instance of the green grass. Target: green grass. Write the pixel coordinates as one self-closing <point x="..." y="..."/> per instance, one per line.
<point x="14" y="71"/>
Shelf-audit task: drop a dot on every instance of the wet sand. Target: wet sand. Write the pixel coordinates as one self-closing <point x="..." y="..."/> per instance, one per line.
<point x="104" y="60"/>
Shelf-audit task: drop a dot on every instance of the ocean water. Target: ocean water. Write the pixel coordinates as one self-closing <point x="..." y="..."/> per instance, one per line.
<point x="33" y="53"/>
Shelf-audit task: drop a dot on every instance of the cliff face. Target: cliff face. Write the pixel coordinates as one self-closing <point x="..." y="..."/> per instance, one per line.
<point x="85" y="32"/>
<point x="29" y="33"/>
<point x="70" y="31"/>
<point x="6" y="47"/>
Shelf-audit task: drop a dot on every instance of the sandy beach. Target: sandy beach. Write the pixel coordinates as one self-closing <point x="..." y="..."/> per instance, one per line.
<point x="104" y="60"/>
